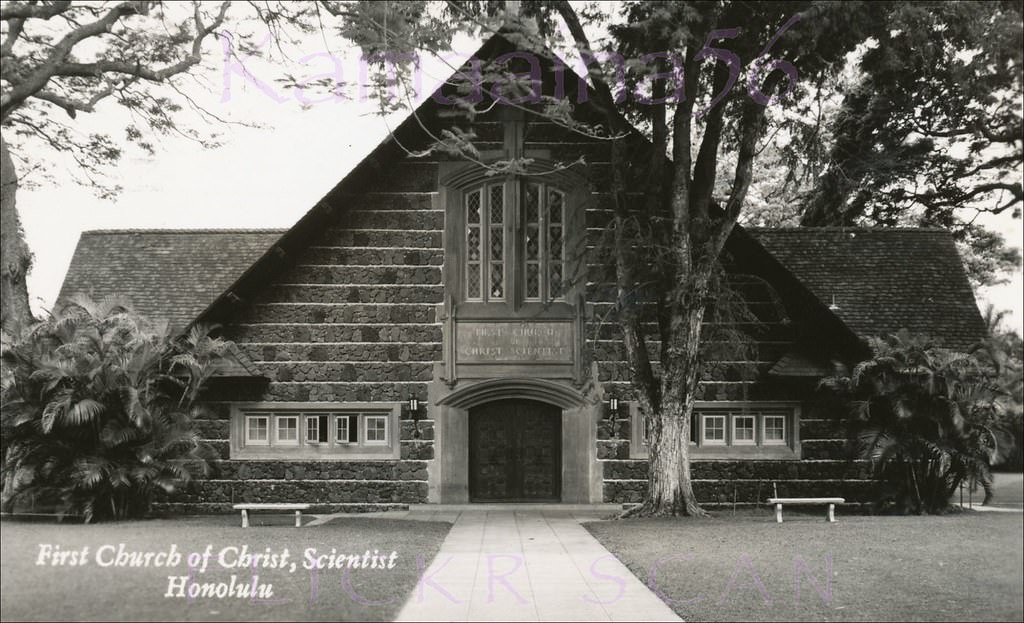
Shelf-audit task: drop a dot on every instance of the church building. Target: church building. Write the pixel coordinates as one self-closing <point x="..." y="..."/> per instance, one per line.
<point x="427" y="333"/>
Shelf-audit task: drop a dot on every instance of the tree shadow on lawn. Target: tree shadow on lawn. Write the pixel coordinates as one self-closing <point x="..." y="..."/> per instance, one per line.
<point x="60" y="589"/>
<point x="862" y="568"/>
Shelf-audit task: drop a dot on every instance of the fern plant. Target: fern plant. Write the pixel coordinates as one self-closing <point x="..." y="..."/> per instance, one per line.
<point x="923" y="416"/>
<point x="98" y="411"/>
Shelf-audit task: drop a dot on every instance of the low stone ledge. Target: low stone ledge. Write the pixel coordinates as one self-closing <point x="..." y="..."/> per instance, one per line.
<point x="241" y="469"/>
<point x="727" y="469"/>
<point x="750" y="491"/>
<point x="299" y="491"/>
<point x="223" y="508"/>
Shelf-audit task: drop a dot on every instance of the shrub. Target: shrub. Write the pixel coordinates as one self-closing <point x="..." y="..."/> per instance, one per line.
<point x="98" y="412"/>
<point x="924" y="416"/>
<point x="1002" y="356"/>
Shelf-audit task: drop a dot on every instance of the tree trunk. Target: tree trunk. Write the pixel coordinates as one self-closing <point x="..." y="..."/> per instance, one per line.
<point x="669" y="479"/>
<point x="670" y="488"/>
<point x="15" y="257"/>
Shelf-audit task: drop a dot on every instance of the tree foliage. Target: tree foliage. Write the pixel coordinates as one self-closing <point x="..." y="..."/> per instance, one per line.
<point x="928" y="129"/>
<point x="98" y="412"/>
<point x="63" y="59"/>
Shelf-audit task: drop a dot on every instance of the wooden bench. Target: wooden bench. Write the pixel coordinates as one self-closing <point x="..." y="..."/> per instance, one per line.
<point x="778" y="502"/>
<point x="245" y="508"/>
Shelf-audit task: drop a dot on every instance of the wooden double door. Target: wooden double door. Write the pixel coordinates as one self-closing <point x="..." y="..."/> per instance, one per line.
<point x="515" y="452"/>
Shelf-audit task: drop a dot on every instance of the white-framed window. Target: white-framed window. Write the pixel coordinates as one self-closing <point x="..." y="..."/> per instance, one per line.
<point x="766" y="429"/>
<point x="257" y="430"/>
<point x="287" y="430"/>
<point x="376" y="427"/>
<point x="342" y="428"/>
<point x="316" y="433"/>
<point x="745" y="424"/>
<point x="774" y="430"/>
<point x="316" y="428"/>
<point x="744" y="430"/>
<point x="713" y="427"/>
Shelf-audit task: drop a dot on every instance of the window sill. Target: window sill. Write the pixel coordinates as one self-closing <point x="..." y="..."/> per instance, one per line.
<point x="759" y="453"/>
<point x="312" y="453"/>
<point x="733" y="453"/>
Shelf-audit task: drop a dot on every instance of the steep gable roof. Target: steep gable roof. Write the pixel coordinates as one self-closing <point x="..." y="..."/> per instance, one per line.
<point x="883" y="280"/>
<point x="164" y="274"/>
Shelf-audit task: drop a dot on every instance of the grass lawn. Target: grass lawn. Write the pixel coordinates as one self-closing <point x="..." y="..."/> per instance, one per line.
<point x="92" y="592"/>
<point x="966" y="566"/>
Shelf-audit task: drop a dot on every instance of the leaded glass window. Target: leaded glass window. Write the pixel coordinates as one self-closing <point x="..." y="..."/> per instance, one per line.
<point x="544" y="243"/>
<point x="555" y="260"/>
<point x="474" y="240"/>
<point x="485" y="244"/>
<point x="533" y="242"/>
<point x="530" y="219"/>
<point x="496" y="204"/>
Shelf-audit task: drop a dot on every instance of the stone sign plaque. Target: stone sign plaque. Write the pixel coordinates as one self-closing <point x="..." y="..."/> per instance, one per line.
<point x="515" y="342"/>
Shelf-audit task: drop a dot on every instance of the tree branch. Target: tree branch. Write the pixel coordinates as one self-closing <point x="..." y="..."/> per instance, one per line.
<point x="72" y="106"/>
<point x="605" y="101"/>
<point x="31" y="10"/>
<point x="38" y="78"/>
<point x="705" y="167"/>
<point x="626" y="303"/>
<point x="682" y="128"/>
<point x="751" y="122"/>
<point x="14" y="28"/>
<point x="55" y="65"/>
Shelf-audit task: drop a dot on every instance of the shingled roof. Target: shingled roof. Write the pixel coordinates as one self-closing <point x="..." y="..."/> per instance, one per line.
<point x="165" y="274"/>
<point x="883" y="280"/>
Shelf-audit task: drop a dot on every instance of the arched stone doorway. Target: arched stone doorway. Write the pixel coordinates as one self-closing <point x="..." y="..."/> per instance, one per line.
<point x="515" y="452"/>
<point x="556" y="428"/>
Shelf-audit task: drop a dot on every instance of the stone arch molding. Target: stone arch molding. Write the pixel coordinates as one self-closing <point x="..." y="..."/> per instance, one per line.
<point x="471" y="175"/>
<point x="518" y="388"/>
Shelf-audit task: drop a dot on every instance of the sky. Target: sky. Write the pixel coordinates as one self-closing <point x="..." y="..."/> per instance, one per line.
<point x="265" y="177"/>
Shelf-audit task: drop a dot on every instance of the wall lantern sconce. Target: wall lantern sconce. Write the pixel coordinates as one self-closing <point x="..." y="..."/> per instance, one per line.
<point x="414" y="413"/>
<point x="834" y="306"/>
<point x="613" y="415"/>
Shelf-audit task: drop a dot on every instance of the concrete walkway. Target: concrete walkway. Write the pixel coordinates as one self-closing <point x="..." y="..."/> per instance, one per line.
<point x="528" y="565"/>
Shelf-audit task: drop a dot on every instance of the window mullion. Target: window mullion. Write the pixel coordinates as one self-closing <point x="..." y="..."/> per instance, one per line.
<point x="485" y="244"/>
<point x="515" y="287"/>
<point x="542" y="222"/>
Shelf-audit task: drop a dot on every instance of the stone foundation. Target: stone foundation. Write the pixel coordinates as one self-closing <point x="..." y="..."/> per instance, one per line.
<point x="752" y="491"/>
